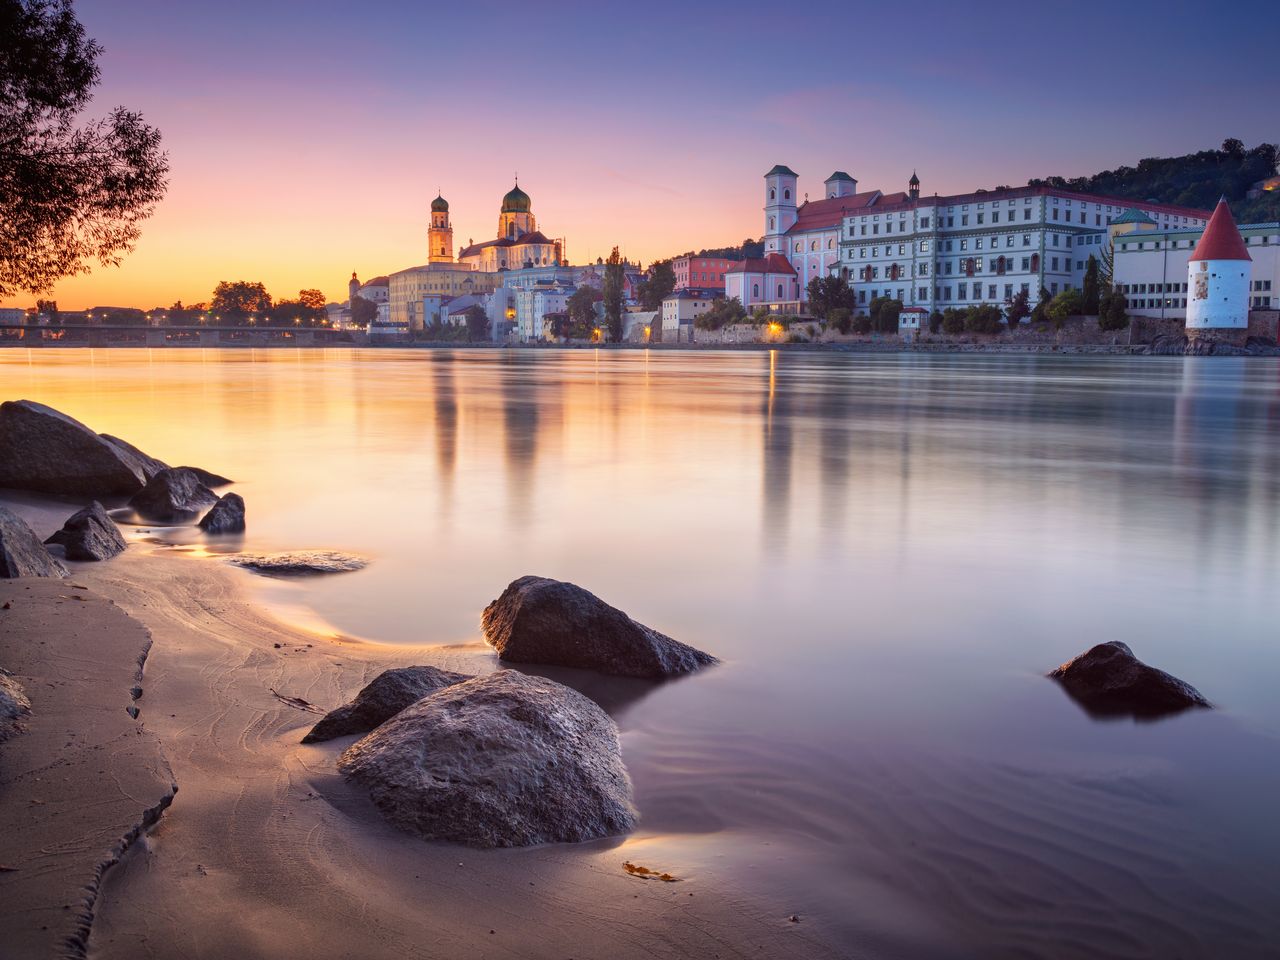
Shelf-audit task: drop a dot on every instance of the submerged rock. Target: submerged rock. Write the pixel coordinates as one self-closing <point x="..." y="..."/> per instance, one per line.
<point x="507" y="760"/>
<point x="207" y="478"/>
<point x="226" y="516"/>
<point x="21" y="552"/>
<point x="298" y="563"/>
<point x="48" y="452"/>
<point x="381" y="699"/>
<point x="538" y="620"/>
<point x="172" y="495"/>
<point x="90" y="535"/>
<point x="1108" y="680"/>
<point x="14" y="706"/>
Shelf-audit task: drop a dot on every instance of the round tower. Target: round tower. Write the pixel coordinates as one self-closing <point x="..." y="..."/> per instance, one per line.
<point x="353" y="287"/>
<point x="779" y="207"/>
<point x="440" y="235"/>
<point x="1218" y="276"/>
<point x="515" y="219"/>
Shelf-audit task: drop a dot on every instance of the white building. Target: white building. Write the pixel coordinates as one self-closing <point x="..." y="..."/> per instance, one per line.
<point x="13" y="315"/>
<point x="770" y="280"/>
<point x="681" y="309"/>
<point x="1153" y="269"/>
<point x="532" y="303"/>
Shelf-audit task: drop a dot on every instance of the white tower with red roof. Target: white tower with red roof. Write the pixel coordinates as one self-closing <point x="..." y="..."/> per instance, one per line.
<point x="1218" y="276"/>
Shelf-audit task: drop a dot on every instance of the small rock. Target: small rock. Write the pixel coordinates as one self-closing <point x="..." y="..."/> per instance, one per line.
<point x="14" y="706"/>
<point x="21" y="552"/>
<point x="208" y="478"/>
<point x="381" y="699"/>
<point x="298" y="563"/>
<point x="172" y="495"/>
<point x="506" y="760"/>
<point x="1108" y="680"/>
<point x="90" y="534"/>
<point x="539" y="620"/>
<point x="227" y="515"/>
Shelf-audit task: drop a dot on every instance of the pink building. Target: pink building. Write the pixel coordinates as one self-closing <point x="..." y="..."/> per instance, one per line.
<point x="704" y="273"/>
<point x="771" y="279"/>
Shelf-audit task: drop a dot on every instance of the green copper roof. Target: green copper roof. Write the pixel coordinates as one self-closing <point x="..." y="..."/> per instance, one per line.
<point x="516" y="201"/>
<point x="439" y="205"/>
<point x="780" y="170"/>
<point x="840" y="175"/>
<point x="1132" y="215"/>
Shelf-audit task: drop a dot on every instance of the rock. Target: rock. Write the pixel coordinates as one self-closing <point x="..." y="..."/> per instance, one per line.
<point x="298" y="563"/>
<point x="1261" y="347"/>
<point x="14" y="706"/>
<point x="172" y="495"/>
<point x="90" y="535"/>
<point x="227" y="515"/>
<point x="1108" y="680"/>
<point x="538" y="620"/>
<point x="385" y="696"/>
<point x="21" y="552"/>
<point x="1168" y="345"/>
<point x="150" y="465"/>
<point x="207" y="478"/>
<point x="507" y="760"/>
<point x="48" y="452"/>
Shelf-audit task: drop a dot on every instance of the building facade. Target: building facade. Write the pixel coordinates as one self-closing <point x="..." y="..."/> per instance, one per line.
<point x="682" y="308"/>
<point x="408" y="287"/>
<point x="700" y="273"/>
<point x="519" y="242"/>
<point x="768" y="281"/>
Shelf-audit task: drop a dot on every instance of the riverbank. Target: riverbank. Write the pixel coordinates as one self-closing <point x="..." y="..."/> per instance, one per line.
<point x="265" y="851"/>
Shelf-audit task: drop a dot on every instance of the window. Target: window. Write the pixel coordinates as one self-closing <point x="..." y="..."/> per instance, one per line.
<point x="779" y="291"/>
<point x="924" y="223"/>
<point x="964" y="244"/>
<point x="924" y="246"/>
<point x="755" y="290"/>
<point x="981" y="216"/>
<point x="964" y="219"/>
<point x="962" y="292"/>
<point x="1026" y="214"/>
<point x="991" y="291"/>
<point x="922" y="293"/>
<point x="773" y="194"/>
<point x="995" y="216"/>
<point x="786" y="194"/>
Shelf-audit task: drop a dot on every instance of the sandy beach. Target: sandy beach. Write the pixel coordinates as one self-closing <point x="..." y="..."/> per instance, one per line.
<point x="264" y="850"/>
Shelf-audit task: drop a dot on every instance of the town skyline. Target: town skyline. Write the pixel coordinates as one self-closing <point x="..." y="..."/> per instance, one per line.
<point x="340" y="175"/>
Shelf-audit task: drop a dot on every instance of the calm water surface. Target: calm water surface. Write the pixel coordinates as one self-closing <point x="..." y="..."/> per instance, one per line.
<point x="887" y="551"/>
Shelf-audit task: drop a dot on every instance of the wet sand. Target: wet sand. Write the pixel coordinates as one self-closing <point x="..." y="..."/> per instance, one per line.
<point x="265" y="851"/>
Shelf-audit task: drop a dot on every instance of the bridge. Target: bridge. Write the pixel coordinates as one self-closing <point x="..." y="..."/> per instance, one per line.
<point x="124" y="335"/>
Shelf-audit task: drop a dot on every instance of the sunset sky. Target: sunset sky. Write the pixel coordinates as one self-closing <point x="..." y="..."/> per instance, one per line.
<point x="307" y="139"/>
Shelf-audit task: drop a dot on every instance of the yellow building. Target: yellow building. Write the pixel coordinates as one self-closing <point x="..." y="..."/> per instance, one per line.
<point x="408" y="287"/>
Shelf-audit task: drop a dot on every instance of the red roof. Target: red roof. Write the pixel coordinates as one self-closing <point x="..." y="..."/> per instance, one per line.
<point x="773" y="263"/>
<point x="817" y="214"/>
<point x="1221" y="239"/>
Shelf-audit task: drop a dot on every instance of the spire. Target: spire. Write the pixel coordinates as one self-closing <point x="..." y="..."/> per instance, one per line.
<point x="1221" y="239"/>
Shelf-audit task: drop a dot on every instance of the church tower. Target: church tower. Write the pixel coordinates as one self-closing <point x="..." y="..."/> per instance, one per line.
<point x="913" y="186"/>
<point x="779" y="207"/>
<point x="1218" y="276"/>
<point x="840" y="184"/>
<point x="440" y="236"/>
<point x="353" y="286"/>
<point x="515" y="219"/>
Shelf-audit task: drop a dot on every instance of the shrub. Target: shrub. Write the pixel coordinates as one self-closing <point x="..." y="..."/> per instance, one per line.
<point x="886" y="319"/>
<point x="1068" y="303"/>
<point x="1112" y="314"/>
<point x="935" y="321"/>
<point x="841" y="318"/>
<point x="953" y="320"/>
<point x="984" y="318"/>
<point x="862" y="325"/>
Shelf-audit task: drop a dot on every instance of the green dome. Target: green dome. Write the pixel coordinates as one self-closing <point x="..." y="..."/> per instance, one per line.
<point x="439" y="205"/>
<point x="516" y="201"/>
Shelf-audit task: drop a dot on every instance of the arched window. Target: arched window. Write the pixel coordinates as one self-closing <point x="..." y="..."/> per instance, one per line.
<point x="1000" y="265"/>
<point x="844" y="274"/>
<point x="771" y="223"/>
<point x="786" y="194"/>
<point x="773" y="194"/>
<point x="797" y="248"/>
<point x="813" y="244"/>
<point x="1035" y="263"/>
<point x="970" y="267"/>
<point x="779" y="291"/>
<point x="755" y="290"/>
<point x="831" y="244"/>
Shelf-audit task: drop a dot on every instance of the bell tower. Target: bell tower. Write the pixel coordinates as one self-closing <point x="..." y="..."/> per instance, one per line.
<point x="779" y="206"/>
<point x="440" y="236"/>
<point x="913" y="186"/>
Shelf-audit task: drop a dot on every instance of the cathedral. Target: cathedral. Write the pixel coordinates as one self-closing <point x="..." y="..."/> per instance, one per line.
<point x="519" y="242"/>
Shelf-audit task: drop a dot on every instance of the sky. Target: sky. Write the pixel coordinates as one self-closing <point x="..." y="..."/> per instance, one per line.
<point x="307" y="139"/>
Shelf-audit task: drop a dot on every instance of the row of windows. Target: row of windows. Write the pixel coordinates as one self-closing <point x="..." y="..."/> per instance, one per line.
<point x="1155" y="303"/>
<point x="1052" y="240"/>
<point x="1128" y="288"/>
<point x="1261" y="285"/>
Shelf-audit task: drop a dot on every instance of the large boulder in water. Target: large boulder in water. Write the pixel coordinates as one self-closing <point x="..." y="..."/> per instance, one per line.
<point x="21" y="552"/>
<point x="381" y="699"/>
<point x="14" y="706"/>
<point x="539" y="620"/>
<point x="48" y="452"/>
<point x="149" y="464"/>
<point x="226" y="516"/>
<point x="90" y="535"/>
<point x="1108" y="680"/>
<point x="175" y="494"/>
<point x="506" y="760"/>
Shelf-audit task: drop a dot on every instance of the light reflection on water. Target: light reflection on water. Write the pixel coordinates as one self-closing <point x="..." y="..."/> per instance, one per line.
<point x="887" y="551"/>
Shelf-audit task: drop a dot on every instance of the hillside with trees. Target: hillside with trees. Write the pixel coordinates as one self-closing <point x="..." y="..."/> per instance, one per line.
<point x="1194" y="180"/>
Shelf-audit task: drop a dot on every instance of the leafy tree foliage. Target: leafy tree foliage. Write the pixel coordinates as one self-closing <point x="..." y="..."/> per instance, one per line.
<point x="363" y="311"/>
<point x="722" y="313"/>
<point x="236" y="301"/>
<point x="1112" y="313"/>
<point x="841" y="318"/>
<point x="70" y="192"/>
<point x="477" y="323"/>
<point x="984" y="318"/>
<point x="935" y="321"/>
<point x="581" y="308"/>
<point x="614" y="278"/>
<point x="884" y="313"/>
<point x="1092" y="288"/>
<point x="1040" y="313"/>
<point x="1193" y="180"/>
<point x="1017" y="308"/>
<point x="953" y="320"/>
<point x="830" y="293"/>
<point x="1069" y="303"/>
<point x="657" y="286"/>
<point x="862" y="325"/>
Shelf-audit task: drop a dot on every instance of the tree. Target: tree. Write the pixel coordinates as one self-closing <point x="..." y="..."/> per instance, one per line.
<point x="884" y="314"/>
<point x="829" y="293"/>
<point x="48" y="308"/>
<point x="614" y="278"/>
<point x="477" y="323"/>
<point x="298" y="312"/>
<point x="984" y="318"/>
<point x="1040" y="313"/>
<point x="363" y="312"/>
<point x="313" y="299"/>
<point x="862" y="325"/>
<point x="841" y="318"/>
<point x="722" y="313"/>
<point x="235" y="302"/>
<point x="658" y="285"/>
<point x="953" y="320"/>
<point x="69" y="194"/>
<point x="1092" y="288"/>
<point x="582" y="313"/>
<point x="1112" y="312"/>
<point x="1069" y="303"/>
<point x="935" y="321"/>
<point x="1017" y="308"/>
